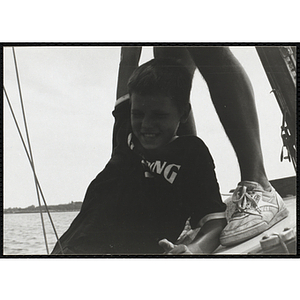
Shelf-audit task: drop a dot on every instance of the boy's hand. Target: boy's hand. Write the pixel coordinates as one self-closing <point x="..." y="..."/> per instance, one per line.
<point x="170" y="248"/>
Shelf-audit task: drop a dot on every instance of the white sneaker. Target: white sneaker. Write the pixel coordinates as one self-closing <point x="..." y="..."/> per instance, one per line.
<point x="254" y="211"/>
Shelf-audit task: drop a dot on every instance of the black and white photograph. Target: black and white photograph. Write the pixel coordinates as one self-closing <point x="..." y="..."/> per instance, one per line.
<point x="144" y="150"/>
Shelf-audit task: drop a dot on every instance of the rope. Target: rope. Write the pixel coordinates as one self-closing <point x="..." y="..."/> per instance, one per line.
<point x="33" y="170"/>
<point x="282" y="243"/>
<point x="29" y="146"/>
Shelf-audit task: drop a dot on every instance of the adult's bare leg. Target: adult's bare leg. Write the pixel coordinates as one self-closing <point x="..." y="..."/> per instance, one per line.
<point x="232" y="95"/>
<point x="182" y="55"/>
<point x="255" y="206"/>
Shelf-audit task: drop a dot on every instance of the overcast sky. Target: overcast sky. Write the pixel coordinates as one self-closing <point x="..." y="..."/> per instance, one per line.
<point x="69" y="94"/>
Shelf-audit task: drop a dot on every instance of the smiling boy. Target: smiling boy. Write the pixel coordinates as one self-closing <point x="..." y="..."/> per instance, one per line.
<point x="154" y="120"/>
<point x="155" y="179"/>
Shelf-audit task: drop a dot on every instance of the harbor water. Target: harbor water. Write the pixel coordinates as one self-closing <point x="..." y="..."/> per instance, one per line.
<point x="23" y="233"/>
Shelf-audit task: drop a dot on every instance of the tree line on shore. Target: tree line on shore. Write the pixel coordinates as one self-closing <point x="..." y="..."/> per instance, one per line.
<point x="72" y="206"/>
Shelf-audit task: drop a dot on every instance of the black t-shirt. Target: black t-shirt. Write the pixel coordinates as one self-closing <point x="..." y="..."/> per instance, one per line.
<point x="141" y="198"/>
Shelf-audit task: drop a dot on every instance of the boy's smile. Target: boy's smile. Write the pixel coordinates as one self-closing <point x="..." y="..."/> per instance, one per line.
<point x="154" y="120"/>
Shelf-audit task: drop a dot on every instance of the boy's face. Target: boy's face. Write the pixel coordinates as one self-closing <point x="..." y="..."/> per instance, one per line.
<point x="154" y="120"/>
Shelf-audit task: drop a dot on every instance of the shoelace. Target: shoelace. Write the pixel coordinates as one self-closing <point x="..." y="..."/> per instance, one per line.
<point x="246" y="202"/>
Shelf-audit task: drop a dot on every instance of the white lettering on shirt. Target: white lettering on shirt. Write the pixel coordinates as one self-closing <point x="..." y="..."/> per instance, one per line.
<point x="158" y="167"/>
<point x="162" y="168"/>
<point x="170" y="173"/>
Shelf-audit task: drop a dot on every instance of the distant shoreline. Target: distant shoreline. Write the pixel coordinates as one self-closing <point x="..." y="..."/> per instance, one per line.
<point x="73" y="206"/>
<point x="35" y="212"/>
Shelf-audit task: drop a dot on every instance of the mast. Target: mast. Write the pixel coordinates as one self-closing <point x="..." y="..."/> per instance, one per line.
<point x="279" y="64"/>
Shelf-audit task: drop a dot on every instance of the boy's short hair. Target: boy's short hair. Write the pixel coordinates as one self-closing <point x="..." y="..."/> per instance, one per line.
<point x="165" y="77"/>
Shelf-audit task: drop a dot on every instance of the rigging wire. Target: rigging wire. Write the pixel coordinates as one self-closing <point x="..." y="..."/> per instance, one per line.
<point x="29" y="147"/>
<point x="33" y="170"/>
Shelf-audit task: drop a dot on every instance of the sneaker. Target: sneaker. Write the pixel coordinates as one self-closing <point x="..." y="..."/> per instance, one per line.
<point x="251" y="211"/>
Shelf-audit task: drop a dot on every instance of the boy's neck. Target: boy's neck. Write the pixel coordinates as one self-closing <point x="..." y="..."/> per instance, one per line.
<point x="140" y="149"/>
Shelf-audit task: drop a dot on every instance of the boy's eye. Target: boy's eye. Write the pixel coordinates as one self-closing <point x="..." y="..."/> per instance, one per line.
<point x="161" y="115"/>
<point x="155" y="115"/>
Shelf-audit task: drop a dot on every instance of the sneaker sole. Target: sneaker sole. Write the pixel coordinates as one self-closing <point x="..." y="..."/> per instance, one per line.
<point x="253" y="231"/>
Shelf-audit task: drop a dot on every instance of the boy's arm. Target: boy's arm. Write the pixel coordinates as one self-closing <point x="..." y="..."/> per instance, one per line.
<point x="205" y="242"/>
<point x="129" y="61"/>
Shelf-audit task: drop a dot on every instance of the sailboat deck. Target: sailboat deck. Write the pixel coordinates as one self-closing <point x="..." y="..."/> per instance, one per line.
<point x="252" y="246"/>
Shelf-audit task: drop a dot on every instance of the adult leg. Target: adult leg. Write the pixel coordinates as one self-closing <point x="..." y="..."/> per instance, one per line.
<point x="232" y="95"/>
<point x="255" y="205"/>
<point x="182" y="55"/>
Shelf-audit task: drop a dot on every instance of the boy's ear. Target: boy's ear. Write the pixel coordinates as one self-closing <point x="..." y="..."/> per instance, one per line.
<point x="186" y="113"/>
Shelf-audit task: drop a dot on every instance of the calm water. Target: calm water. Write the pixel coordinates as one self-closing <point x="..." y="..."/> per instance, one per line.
<point x="23" y="233"/>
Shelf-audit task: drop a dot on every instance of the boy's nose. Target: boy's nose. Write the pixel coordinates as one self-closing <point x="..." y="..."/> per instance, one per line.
<point x="147" y="122"/>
